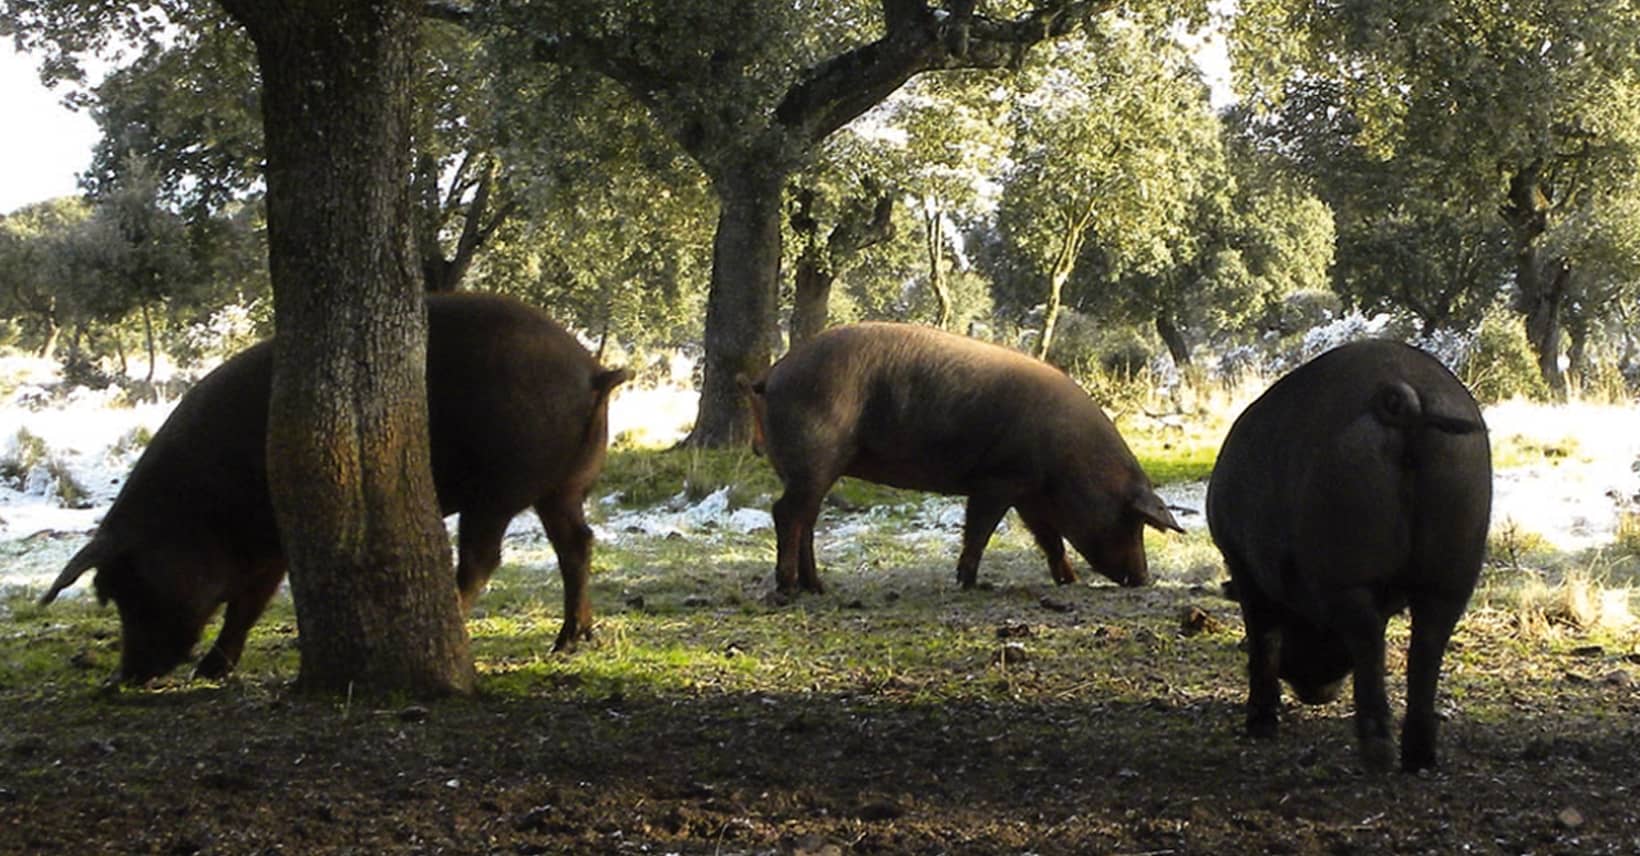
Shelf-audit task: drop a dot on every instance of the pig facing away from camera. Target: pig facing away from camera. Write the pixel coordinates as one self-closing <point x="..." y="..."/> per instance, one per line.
<point x="518" y="417"/>
<point x="1356" y="486"/>
<point x="919" y="408"/>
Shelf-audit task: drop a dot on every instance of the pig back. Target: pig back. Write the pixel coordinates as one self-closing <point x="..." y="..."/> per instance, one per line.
<point x="511" y="402"/>
<point x="203" y="475"/>
<point x="924" y="409"/>
<point x="1320" y="485"/>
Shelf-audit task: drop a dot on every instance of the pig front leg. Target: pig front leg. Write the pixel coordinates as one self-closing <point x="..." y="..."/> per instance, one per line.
<point x="983" y="514"/>
<point x="1047" y="536"/>
<point x="237" y="620"/>
<point x="1354" y="615"/>
<point x="478" y="552"/>
<point x="1263" y="670"/>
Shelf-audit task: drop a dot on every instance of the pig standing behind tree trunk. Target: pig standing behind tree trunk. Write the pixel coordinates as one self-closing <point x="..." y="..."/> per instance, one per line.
<point x="518" y="417"/>
<point x="1358" y="485"/>
<point x="920" y="408"/>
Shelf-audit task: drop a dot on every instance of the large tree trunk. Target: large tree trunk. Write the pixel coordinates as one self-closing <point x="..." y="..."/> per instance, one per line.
<point x="1173" y="338"/>
<point x="348" y="458"/>
<point x="864" y="221"/>
<point x="1541" y="289"/>
<point x="811" y="281"/>
<point x="740" y="303"/>
<point x="811" y="299"/>
<point x="1543" y="302"/>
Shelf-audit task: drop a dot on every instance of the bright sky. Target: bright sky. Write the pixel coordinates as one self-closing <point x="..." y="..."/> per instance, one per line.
<point x="45" y="144"/>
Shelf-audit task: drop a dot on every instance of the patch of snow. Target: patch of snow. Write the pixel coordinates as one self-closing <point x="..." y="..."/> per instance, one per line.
<point x="680" y="517"/>
<point x="1574" y="502"/>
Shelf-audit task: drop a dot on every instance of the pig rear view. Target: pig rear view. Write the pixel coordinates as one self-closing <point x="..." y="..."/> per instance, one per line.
<point x="919" y="408"/>
<point x="518" y="419"/>
<point x="1358" y="485"/>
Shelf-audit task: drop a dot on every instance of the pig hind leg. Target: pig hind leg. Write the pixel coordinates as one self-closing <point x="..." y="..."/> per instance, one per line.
<point x="571" y="537"/>
<point x="1047" y="536"/>
<point x="1434" y="615"/>
<point x="237" y="620"/>
<point x="478" y="552"/>
<point x="795" y="513"/>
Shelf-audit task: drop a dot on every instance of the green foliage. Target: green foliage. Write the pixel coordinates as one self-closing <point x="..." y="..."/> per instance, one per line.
<point x="1113" y="144"/>
<point x="1499" y="364"/>
<point x="33" y="263"/>
<point x="1466" y="146"/>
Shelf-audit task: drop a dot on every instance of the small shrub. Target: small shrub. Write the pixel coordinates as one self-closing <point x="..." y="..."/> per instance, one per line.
<point x="68" y="490"/>
<point x="1500" y="364"/>
<point x="134" y="440"/>
<point x="1578" y="603"/>
<point x="27" y="455"/>
<point x="26" y="452"/>
<point x="1510" y="546"/>
<point x="1628" y="533"/>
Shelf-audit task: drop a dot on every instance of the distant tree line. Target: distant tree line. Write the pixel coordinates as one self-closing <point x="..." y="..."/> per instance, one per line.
<point x="1487" y="165"/>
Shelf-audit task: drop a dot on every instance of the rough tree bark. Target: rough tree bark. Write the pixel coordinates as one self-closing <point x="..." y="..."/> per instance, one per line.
<point x="740" y="303"/>
<point x="348" y="457"/>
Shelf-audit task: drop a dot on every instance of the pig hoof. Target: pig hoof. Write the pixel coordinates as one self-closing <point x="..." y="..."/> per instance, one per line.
<point x="1377" y="754"/>
<point x="1413" y="760"/>
<point x="569" y="638"/>
<point x="214" y="666"/>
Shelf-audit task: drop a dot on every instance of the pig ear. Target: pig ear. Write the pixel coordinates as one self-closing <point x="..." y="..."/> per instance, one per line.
<point x="90" y="556"/>
<point x="1153" y="511"/>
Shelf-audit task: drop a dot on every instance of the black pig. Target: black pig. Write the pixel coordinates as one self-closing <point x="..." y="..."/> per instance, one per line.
<point x="1358" y="485"/>
<point x="918" y="408"/>
<point x="518" y="417"/>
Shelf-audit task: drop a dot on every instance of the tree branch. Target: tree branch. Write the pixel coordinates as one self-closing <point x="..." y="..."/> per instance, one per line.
<point x="920" y="38"/>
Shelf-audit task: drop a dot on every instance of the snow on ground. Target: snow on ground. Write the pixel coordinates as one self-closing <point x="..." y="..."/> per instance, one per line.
<point x="1574" y="501"/>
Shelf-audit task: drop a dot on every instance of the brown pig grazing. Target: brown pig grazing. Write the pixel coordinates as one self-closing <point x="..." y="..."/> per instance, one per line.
<point x="919" y="408"/>
<point x="518" y="417"/>
<point x="1358" y="485"/>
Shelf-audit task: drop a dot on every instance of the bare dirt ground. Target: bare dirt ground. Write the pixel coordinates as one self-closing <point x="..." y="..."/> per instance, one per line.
<point x="1038" y="720"/>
